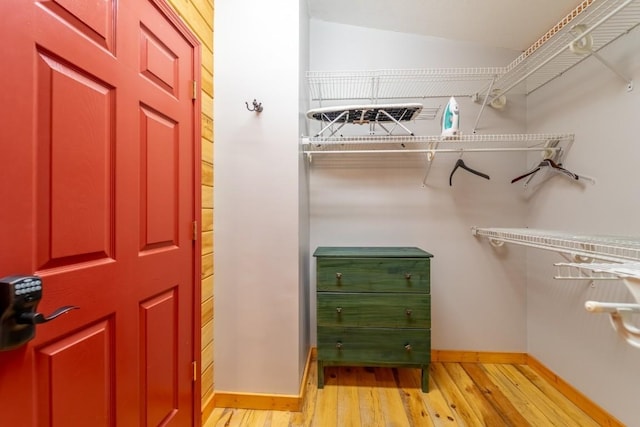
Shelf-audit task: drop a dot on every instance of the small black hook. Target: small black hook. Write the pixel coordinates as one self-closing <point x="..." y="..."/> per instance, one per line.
<point x="257" y="107"/>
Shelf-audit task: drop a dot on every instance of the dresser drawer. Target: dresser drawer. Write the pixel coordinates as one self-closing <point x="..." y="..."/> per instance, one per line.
<point x="374" y="346"/>
<point x="373" y="275"/>
<point x="390" y="310"/>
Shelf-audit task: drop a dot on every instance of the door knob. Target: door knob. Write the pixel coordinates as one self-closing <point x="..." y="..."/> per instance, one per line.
<point x="19" y="298"/>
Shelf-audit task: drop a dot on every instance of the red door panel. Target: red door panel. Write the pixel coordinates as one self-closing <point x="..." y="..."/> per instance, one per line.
<point x="159" y="179"/>
<point x="74" y="217"/>
<point x="159" y="344"/>
<point x="99" y="199"/>
<point x="66" y="386"/>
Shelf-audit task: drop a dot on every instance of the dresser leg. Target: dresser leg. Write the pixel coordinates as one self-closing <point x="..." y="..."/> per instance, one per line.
<point x="425" y="379"/>
<point x="320" y="375"/>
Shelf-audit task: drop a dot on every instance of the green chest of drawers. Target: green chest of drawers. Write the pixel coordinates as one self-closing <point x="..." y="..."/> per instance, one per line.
<point x="373" y="308"/>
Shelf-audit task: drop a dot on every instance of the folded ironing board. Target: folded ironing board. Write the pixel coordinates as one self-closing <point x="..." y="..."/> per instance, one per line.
<point x="365" y="114"/>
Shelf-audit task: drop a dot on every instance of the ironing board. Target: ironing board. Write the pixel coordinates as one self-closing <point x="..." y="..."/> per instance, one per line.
<point x="375" y="114"/>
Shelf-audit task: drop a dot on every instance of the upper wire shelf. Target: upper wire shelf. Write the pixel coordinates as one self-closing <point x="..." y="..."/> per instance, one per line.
<point x="584" y="31"/>
<point x="600" y="22"/>
<point x="377" y="85"/>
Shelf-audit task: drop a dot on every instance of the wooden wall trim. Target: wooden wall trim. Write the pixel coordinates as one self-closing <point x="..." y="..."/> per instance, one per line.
<point x="270" y="402"/>
<point x="208" y="405"/>
<point x="580" y="400"/>
<point x="265" y="402"/>
<point x="457" y="356"/>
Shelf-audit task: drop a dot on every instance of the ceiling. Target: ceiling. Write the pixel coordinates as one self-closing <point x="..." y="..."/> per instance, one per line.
<point x="512" y="24"/>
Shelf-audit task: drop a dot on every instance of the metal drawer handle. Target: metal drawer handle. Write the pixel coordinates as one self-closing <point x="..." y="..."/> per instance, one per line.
<point x="339" y="345"/>
<point x="407" y="276"/>
<point x="407" y="347"/>
<point x="338" y="310"/>
<point x="338" y="276"/>
<point x="408" y="312"/>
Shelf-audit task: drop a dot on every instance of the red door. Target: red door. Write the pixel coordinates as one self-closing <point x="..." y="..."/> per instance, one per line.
<point x="98" y="149"/>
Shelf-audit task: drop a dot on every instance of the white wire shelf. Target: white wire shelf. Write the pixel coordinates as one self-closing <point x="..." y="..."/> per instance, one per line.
<point x="433" y="144"/>
<point x="604" y="271"/>
<point x="603" y="21"/>
<point x="611" y="249"/>
<point x="374" y="85"/>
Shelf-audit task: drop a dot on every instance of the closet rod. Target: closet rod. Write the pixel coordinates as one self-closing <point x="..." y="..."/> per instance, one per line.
<point x="611" y="307"/>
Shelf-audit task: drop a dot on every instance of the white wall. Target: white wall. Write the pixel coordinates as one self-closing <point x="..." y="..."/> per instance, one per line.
<point x="303" y="192"/>
<point x="259" y="334"/>
<point x="478" y="298"/>
<point x="581" y="347"/>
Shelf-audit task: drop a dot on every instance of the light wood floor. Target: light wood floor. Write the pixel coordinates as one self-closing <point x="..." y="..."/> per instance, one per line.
<point x="460" y="394"/>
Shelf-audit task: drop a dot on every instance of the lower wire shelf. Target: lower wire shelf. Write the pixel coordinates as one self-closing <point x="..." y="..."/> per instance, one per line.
<point x="618" y="257"/>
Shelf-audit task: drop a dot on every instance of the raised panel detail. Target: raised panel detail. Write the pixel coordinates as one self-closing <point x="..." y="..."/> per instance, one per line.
<point x="75" y="167"/>
<point x="159" y="180"/>
<point x="159" y="356"/>
<point x="157" y="62"/>
<point x="95" y="19"/>
<point x="75" y="379"/>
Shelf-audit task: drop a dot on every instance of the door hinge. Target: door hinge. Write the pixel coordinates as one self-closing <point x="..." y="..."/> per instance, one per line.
<point x="194" y="231"/>
<point x="194" y="90"/>
<point x="195" y="370"/>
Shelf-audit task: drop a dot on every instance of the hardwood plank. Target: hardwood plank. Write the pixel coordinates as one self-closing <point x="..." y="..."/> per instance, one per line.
<point x="459" y="405"/>
<point x="279" y="419"/>
<point x="213" y="418"/>
<point x="368" y="397"/>
<point x="437" y="407"/>
<point x="220" y="417"/>
<point x="528" y="409"/>
<point x="567" y="408"/>
<point x="494" y="395"/>
<point x="486" y="413"/>
<point x="348" y="401"/>
<point x="537" y="398"/>
<point x="596" y="412"/>
<point x="409" y="381"/>
<point x="327" y="401"/>
<point x="390" y="402"/>
<point x="255" y="417"/>
<point x="238" y="418"/>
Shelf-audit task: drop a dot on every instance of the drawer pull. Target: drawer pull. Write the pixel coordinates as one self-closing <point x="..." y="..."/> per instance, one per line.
<point x="338" y="310"/>
<point x="408" y="312"/>
<point x="407" y="347"/>
<point x="339" y="345"/>
<point x="338" y="276"/>
<point x="407" y="276"/>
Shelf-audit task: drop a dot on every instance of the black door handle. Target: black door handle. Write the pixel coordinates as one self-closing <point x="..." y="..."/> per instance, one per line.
<point x="31" y="318"/>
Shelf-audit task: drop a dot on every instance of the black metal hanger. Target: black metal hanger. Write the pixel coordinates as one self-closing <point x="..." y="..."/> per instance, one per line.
<point x="557" y="167"/>
<point x="460" y="164"/>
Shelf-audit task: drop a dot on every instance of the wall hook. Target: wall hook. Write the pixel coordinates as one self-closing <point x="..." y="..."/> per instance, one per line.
<point x="257" y="106"/>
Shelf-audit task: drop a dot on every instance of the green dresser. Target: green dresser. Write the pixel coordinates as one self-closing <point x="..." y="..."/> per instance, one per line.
<point x="373" y="308"/>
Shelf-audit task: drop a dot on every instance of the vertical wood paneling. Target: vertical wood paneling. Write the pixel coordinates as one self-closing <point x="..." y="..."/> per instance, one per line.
<point x="198" y="15"/>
